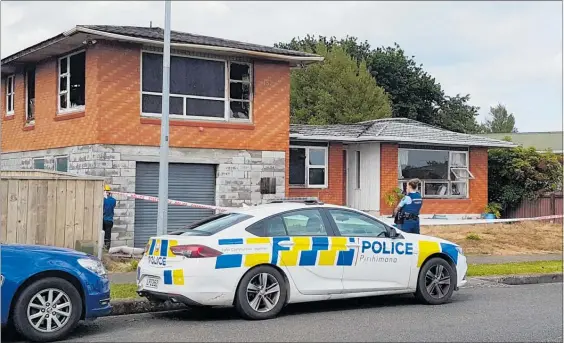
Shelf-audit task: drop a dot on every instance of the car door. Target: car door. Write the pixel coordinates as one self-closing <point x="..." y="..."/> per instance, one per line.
<point x="303" y="248"/>
<point x="381" y="262"/>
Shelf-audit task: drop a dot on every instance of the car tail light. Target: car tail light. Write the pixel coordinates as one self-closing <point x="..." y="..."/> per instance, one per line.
<point x="194" y="251"/>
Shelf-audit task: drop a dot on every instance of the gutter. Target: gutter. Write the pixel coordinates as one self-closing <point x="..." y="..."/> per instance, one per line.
<point x="394" y="139"/>
<point x="264" y="55"/>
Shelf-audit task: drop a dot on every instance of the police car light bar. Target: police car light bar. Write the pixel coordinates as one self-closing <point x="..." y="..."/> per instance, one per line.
<point x="305" y="200"/>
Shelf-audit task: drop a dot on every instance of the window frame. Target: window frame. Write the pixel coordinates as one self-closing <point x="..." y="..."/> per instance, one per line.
<point x="57" y="158"/>
<point x="226" y="98"/>
<point x="449" y="180"/>
<point x="307" y="148"/>
<point x="10" y="78"/>
<point x="69" y="109"/>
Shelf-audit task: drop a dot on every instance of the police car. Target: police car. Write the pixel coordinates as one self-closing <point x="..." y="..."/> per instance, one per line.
<point x="261" y="258"/>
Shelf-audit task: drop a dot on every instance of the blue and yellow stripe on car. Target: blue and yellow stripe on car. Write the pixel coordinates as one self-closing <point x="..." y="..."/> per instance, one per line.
<point x="160" y="247"/>
<point x="428" y="248"/>
<point x="174" y="277"/>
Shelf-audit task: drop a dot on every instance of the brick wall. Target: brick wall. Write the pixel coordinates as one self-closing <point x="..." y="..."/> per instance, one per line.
<point x="478" y="195"/>
<point x="335" y="193"/>
<point x="112" y="111"/>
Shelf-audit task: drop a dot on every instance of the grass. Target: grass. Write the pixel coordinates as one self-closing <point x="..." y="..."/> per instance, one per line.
<point x="526" y="238"/>
<point x="119" y="265"/>
<point x="516" y="268"/>
<point x="123" y="291"/>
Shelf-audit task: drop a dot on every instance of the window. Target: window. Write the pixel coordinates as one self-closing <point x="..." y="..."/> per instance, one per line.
<point x="38" y="163"/>
<point x="308" y="167"/>
<point x="443" y="173"/>
<point x="10" y="90"/>
<point x="358" y="169"/>
<point x="304" y="223"/>
<point x="30" y="94"/>
<point x="270" y="227"/>
<point x="214" y="224"/>
<point x="72" y="82"/>
<point x="199" y="88"/>
<point x="62" y="164"/>
<point x="351" y="223"/>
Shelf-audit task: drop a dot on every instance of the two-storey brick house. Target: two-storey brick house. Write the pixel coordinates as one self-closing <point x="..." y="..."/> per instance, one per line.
<point x="88" y="101"/>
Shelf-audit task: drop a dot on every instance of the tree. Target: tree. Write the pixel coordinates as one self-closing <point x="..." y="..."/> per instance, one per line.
<point x="501" y="121"/>
<point x="521" y="173"/>
<point x="455" y="114"/>
<point x="337" y="91"/>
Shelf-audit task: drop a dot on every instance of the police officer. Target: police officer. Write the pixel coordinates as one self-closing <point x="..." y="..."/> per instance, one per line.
<point x="407" y="211"/>
<point x="108" y="220"/>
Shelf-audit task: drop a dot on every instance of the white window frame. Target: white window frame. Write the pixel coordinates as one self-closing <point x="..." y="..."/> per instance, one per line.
<point x="68" y="109"/>
<point x="11" y="79"/>
<point x="308" y="166"/>
<point x="449" y="181"/>
<point x="57" y="158"/>
<point x="226" y="98"/>
<point x="36" y="159"/>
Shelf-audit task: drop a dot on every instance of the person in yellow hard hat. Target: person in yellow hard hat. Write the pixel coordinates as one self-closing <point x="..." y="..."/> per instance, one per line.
<point x="109" y="206"/>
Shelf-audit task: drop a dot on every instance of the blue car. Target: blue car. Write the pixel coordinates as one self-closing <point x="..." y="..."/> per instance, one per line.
<point x="46" y="290"/>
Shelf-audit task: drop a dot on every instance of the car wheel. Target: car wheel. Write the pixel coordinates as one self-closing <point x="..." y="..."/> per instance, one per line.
<point x="47" y="310"/>
<point x="436" y="282"/>
<point x="261" y="293"/>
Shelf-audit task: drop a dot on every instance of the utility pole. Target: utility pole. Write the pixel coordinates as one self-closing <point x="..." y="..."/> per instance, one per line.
<point x="162" y="218"/>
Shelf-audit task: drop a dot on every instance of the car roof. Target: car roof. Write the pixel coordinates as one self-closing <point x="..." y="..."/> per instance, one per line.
<point x="265" y="210"/>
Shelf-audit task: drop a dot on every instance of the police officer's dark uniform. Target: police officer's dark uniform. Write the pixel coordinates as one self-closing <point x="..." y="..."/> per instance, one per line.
<point x="407" y="217"/>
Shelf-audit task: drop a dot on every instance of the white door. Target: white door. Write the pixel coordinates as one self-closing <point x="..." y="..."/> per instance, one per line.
<point x="381" y="263"/>
<point x="363" y="177"/>
<point x="307" y="252"/>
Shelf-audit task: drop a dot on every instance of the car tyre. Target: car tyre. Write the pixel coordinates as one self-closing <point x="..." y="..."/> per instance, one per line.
<point x="436" y="282"/>
<point x="261" y="293"/>
<point x="64" y="310"/>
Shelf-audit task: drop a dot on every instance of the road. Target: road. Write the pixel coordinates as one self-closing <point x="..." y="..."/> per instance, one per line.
<point x="480" y="313"/>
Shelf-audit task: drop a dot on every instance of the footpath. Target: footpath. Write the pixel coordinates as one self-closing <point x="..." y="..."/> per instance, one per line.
<point x="127" y="278"/>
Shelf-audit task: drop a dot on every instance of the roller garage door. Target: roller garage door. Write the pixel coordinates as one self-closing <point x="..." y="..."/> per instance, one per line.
<point x="187" y="182"/>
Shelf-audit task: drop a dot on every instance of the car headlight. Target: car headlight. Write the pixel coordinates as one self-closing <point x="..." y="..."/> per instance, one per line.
<point x="92" y="265"/>
<point x="459" y="249"/>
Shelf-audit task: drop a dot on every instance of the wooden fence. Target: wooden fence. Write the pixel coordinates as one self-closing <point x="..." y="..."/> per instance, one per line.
<point x="50" y="208"/>
<point x="546" y="205"/>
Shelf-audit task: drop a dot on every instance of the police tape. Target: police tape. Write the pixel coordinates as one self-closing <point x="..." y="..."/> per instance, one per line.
<point x="423" y="221"/>
<point x="170" y="201"/>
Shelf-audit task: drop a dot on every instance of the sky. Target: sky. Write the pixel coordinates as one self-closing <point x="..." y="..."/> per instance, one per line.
<point x="507" y="52"/>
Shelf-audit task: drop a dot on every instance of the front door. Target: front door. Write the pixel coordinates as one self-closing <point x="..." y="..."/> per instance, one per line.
<point x="381" y="263"/>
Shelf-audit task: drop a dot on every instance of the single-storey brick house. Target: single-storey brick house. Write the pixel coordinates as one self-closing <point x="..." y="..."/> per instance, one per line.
<point x="358" y="165"/>
<point x="88" y="101"/>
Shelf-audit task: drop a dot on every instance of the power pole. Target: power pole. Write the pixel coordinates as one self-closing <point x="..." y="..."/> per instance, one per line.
<point x="162" y="218"/>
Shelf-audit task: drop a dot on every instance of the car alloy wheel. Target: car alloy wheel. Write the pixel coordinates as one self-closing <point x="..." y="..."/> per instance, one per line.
<point x="437" y="281"/>
<point x="49" y="310"/>
<point x="263" y="292"/>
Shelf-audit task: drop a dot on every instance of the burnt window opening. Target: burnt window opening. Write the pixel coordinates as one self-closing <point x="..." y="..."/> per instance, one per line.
<point x="10" y="94"/>
<point x="199" y="88"/>
<point x="72" y="81"/>
<point x="239" y="90"/>
<point x="30" y="94"/>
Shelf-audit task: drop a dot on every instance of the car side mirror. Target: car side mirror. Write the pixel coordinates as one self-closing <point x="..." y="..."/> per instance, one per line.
<point x="394" y="233"/>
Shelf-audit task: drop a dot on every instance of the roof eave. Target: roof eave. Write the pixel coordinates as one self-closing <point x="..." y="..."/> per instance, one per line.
<point x="293" y="60"/>
<point x="398" y="140"/>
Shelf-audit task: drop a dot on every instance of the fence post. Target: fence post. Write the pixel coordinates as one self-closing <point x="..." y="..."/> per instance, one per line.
<point x="552" y="205"/>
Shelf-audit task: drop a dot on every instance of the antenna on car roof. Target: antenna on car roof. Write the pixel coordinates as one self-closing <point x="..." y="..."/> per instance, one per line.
<point x="304" y="200"/>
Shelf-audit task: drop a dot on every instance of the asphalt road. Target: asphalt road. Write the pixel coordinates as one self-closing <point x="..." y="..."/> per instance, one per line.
<point x="481" y="313"/>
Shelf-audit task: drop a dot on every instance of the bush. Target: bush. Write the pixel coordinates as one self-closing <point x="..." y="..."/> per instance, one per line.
<point x="521" y="173"/>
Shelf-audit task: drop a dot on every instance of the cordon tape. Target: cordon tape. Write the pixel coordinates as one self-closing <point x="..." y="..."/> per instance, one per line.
<point x="424" y="221"/>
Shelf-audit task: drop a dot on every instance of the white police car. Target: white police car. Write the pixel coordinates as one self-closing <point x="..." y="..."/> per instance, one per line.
<point x="261" y="258"/>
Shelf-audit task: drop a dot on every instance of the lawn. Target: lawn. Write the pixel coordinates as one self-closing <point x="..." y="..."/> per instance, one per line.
<point x="526" y="238"/>
<point x="128" y="291"/>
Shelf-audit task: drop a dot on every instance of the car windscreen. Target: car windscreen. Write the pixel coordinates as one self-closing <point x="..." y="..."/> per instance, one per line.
<point x="212" y="225"/>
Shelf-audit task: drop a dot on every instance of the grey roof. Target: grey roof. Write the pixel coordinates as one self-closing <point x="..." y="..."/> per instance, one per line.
<point x="157" y="34"/>
<point x="399" y="130"/>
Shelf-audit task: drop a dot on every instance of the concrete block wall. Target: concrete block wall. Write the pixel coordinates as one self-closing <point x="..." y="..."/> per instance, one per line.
<point x="237" y="180"/>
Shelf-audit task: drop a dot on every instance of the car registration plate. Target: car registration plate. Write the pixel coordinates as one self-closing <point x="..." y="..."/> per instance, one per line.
<point x="152" y="282"/>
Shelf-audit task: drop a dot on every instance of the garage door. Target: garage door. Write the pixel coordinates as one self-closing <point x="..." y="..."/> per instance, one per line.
<point x="187" y="182"/>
